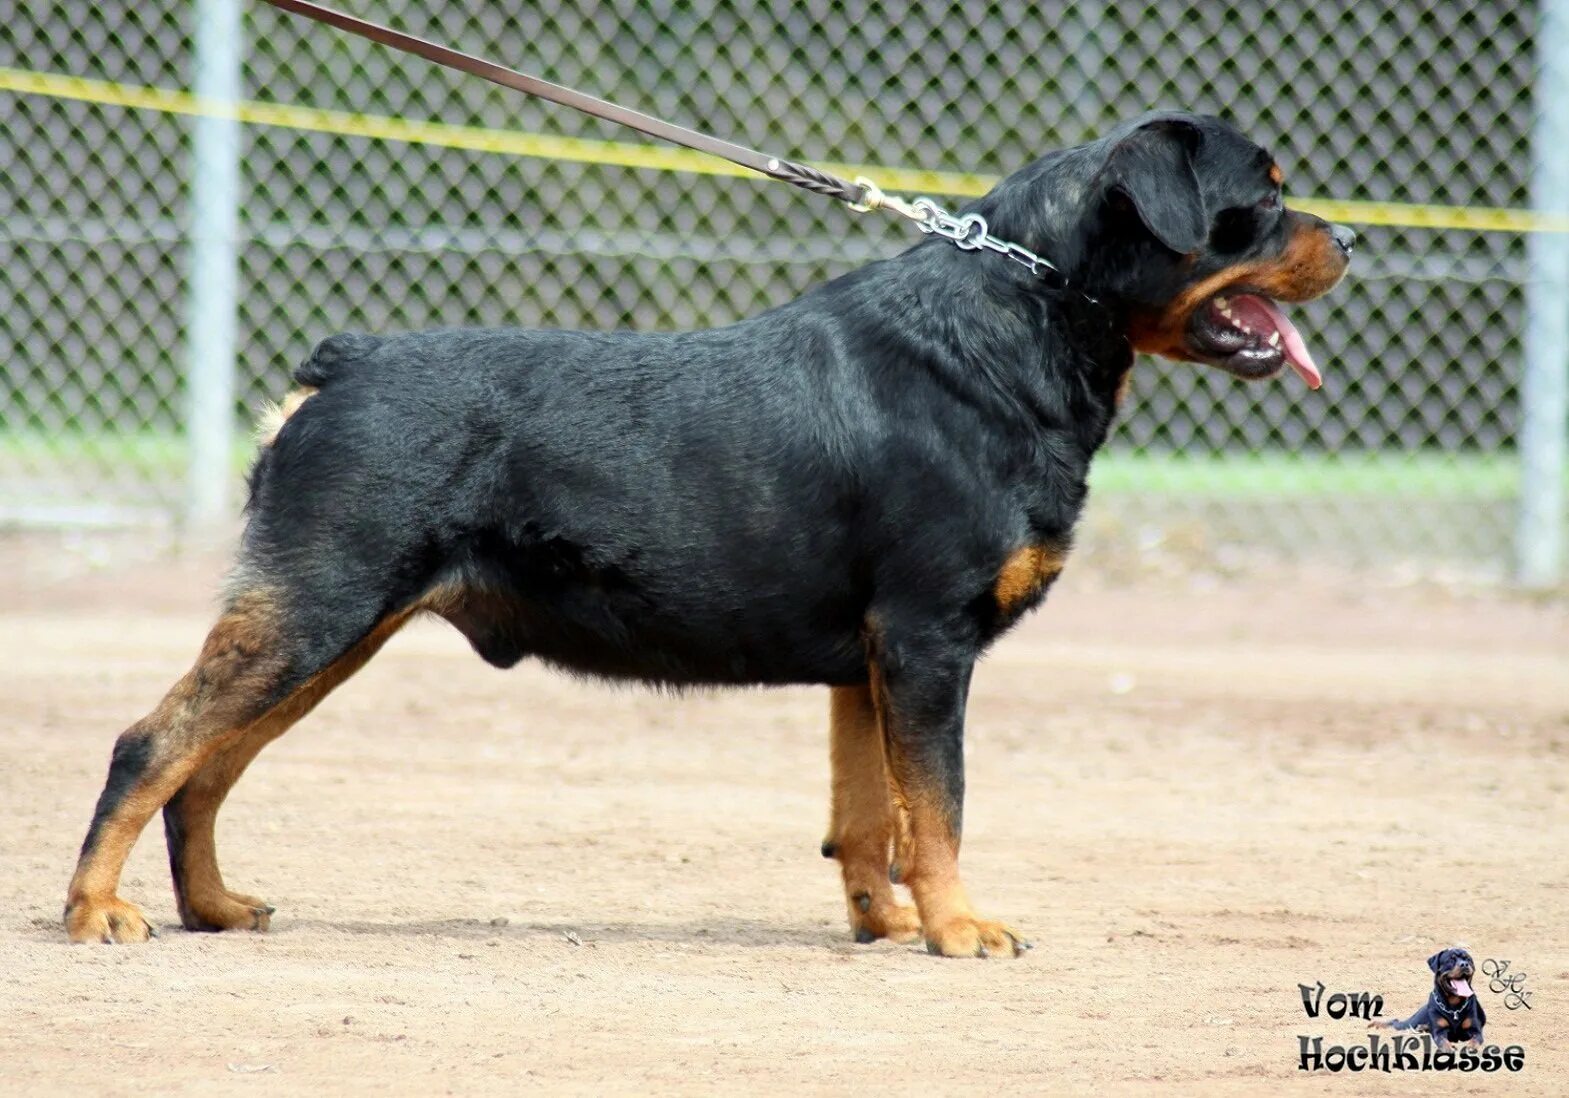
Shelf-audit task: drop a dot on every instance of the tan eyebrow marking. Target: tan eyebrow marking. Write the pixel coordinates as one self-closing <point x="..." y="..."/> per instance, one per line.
<point x="1276" y="176"/>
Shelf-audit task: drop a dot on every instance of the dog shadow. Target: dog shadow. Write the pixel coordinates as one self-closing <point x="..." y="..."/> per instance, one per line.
<point x="745" y="933"/>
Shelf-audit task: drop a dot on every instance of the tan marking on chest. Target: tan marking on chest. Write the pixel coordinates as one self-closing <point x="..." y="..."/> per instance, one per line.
<point x="1025" y="572"/>
<point x="1123" y="387"/>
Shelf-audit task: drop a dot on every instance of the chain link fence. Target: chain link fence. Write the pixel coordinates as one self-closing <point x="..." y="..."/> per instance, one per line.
<point x="1408" y="453"/>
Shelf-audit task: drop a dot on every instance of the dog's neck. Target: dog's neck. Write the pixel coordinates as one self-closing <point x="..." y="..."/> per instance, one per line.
<point x="1007" y="311"/>
<point x="1046" y="206"/>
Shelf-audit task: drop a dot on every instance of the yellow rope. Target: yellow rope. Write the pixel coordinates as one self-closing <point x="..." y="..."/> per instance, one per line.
<point x="671" y="159"/>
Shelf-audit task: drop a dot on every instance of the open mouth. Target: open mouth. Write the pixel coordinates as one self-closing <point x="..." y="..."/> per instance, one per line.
<point x="1247" y="335"/>
<point x="1460" y="986"/>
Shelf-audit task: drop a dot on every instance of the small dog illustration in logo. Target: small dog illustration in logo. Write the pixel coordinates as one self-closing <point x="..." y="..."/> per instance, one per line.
<point x="1452" y="1014"/>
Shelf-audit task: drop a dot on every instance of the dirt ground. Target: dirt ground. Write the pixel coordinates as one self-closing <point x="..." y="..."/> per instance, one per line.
<point x="1192" y="793"/>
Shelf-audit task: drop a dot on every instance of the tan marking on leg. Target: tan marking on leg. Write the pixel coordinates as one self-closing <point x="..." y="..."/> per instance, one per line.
<point x="199" y="715"/>
<point x="930" y="864"/>
<point x="861" y="827"/>
<point x="207" y="712"/>
<point x="903" y="851"/>
<point x="274" y="416"/>
<point x="1024" y="573"/>
<point x="951" y="925"/>
<point x="93" y="912"/>
<point x="205" y="903"/>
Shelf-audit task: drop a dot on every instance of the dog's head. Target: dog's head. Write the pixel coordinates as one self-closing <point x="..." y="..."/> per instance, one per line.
<point x="1452" y="972"/>
<point x="1177" y="219"/>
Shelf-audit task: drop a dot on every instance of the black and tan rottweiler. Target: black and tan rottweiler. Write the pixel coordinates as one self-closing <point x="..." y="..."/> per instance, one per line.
<point x="1452" y="1014"/>
<point x="863" y="488"/>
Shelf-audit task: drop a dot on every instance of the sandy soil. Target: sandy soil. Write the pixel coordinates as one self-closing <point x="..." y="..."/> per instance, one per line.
<point x="1192" y="795"/>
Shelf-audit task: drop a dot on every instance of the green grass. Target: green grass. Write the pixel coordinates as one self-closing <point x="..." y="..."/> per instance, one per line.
<point x="155" y="454"/>
<point x="1277" y="475"/>
<point x="1270" y="475"/>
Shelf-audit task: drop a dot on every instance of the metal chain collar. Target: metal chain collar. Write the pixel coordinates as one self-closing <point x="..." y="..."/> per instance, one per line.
<point x="969" y="232"/>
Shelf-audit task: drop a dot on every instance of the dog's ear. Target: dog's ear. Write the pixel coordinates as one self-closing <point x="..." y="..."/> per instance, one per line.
<point x="1152" y="170"/>
<point x="1433" y="961"/>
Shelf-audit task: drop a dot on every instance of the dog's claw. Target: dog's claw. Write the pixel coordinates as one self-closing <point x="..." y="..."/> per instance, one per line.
<point x="226" y="911"/>
<point x="110" y="921"/>
<point x="873" y="919"/>
<point x="968" y="936"/>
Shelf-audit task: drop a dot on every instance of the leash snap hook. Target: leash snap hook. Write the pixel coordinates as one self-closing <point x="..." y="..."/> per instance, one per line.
<point x="872" y="197"/>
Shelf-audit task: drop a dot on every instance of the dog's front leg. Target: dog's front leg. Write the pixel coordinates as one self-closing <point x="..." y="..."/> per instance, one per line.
<point x="923" y="686"/>
<point x="861" y="829"/>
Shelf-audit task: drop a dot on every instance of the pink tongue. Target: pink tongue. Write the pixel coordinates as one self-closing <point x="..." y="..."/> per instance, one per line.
<point x="1461" y="988"/>
<point x="1291" y="340"/>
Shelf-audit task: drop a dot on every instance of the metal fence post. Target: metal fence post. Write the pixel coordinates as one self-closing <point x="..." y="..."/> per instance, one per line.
<point x="213" y="297"/>
<point x="1544" y="389"/>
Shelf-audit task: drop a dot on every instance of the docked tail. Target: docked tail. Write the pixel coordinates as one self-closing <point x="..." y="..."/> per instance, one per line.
<point x="326" y="362"/>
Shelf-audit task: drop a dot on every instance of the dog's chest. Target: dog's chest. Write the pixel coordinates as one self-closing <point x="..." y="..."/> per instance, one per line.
<point x="1026" y="576"/>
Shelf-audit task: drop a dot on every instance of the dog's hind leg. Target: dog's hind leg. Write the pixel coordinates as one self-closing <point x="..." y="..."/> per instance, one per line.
<point x="862" y="825"/>
<point x="190" y="816"/>
<point x="265" y="663"/>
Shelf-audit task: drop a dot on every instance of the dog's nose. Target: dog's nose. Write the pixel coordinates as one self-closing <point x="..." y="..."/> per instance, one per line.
<point x="1345" y="239"/>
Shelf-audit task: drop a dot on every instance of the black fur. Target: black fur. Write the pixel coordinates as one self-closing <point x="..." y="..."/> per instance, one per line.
<point x="777" y="501"/>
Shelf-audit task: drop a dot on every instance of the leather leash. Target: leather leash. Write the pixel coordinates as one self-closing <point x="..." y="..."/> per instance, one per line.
<point x="969" y="231"/>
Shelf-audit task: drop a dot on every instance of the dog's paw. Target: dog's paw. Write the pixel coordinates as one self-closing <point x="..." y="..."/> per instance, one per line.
<point x="971" y="936"/>
<point x="108" y="921"/>
<point x="870" y="921"/>
<point x="226" y="911"/>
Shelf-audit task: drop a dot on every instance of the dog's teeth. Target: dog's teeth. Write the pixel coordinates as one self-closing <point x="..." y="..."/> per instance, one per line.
<point x="1274" y="339"/>
<point x="1222" y="302"/>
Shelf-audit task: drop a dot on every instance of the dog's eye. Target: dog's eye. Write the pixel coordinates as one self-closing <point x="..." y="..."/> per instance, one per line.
<point x="1234" y="229"/>
<point x="1270" y="201"/>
